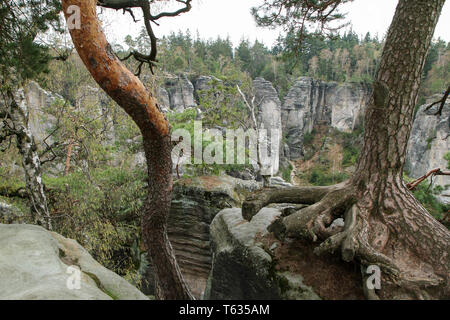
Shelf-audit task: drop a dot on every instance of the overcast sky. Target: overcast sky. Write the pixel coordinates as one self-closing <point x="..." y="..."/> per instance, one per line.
<point x="212" y="18"/>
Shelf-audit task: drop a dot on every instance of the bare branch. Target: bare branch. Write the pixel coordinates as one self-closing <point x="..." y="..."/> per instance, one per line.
<point x="435" y="172"/>
<point x="126" y="6"/>
<point x="441" y="101"/>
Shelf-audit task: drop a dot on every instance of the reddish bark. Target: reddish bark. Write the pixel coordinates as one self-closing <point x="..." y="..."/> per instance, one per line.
<point x="129" y="93"/>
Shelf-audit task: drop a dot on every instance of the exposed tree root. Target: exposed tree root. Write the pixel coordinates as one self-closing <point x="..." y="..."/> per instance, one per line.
<point x="368" y="236"/>
<point x="303" y="195"/>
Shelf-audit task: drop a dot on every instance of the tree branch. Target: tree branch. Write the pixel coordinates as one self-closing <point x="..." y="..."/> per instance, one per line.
<point x="145" y="6"/>
<point x="441" y="101"/>
<point x="435" y="172"/>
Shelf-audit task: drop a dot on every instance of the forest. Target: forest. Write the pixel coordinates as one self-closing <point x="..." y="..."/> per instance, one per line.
<point x="93" y="136"/>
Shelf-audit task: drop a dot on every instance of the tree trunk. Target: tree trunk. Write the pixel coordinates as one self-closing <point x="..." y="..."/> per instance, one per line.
<point x="395" y="223"/>
<point x="129" y="92"/>
<point x="18" y="113"/>
<point x="384" y="224"/>
<point x="68" y="157"/>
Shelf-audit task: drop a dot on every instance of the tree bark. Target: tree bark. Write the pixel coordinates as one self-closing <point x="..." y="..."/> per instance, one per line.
<point x="18" y="114"/>
<point x="129" y="93"/>
<point x="68" y="157"/>
<point x="394" y="223"/>
<point x="384" y="224"/>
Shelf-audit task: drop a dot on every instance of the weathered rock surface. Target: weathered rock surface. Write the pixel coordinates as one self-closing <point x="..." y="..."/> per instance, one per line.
<point x="34" y="266"/>
<point x="249" y="263"/>
<point x="269" y="118"/>
<point x="39" y="121"/>
<point x="10" y="214"/>
<point x="181" y="92"/>
<point x="428" y="143"/>
<point x="195" y="202"/>
<point x="163" y="99"/>
<point x="310" y="101"/>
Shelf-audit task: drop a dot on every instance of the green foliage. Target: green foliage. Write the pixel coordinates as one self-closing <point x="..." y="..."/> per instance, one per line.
<point x="437" y="70"/>
<point x="21" y="56"/>
<point x="341" y="58"/>
<point x="286" y="173"/>
<point x="320" y="177"/>
<point x="447" y="157"/>
<point x="307" y="138"/>
<point x="351" y="147"/>
<point x="426" y="195"/>
<point x="102" y="212"/>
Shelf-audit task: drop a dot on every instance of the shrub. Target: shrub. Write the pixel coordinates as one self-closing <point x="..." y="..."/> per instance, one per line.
<point x="319" y="177"/>
<point x="102" y="212"/>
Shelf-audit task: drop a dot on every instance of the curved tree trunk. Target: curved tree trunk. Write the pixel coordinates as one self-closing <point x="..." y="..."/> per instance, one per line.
<point x="384" y="224"/>
<point x="129" y="92"/>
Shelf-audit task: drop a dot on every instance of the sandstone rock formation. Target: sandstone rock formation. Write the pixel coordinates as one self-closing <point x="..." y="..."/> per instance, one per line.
<point x="269" y="118"/>
<point x="38" y="100"/>
<point x="310" y="101"/>
<point x="180" y="91"/>
<point x="428" y="144"/>
<point x="163" y="99"/>
<point x="249" y="263"/>
<point x="195" y="202"/>
<point x="34" y="266"/>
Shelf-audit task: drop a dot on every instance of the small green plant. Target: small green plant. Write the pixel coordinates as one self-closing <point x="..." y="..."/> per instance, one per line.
<point x="320" y="177"/>
<point x="308" y="138"/>
<point x="286" y="173"/>
<point x="447" y="157"/>
<point x="427" y="196"/>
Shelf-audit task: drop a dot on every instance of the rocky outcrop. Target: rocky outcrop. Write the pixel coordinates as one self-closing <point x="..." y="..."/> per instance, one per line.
<point x="310" y="102"/>
<point x="249" y="263"/>
<point x="269" y="118"/>
<point x="39" y="121"/>
<point x="428" y="143"/>
<point x="195" y="202"/>
<point x="36" y="264"/>
<point x="163" y="99"/>
<point x="10" y="214"/>
<point x="180" y="91"/>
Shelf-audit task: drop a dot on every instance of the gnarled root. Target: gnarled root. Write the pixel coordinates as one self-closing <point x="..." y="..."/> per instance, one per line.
<point x="389" y="238"/>
<point x="304" y="195"/>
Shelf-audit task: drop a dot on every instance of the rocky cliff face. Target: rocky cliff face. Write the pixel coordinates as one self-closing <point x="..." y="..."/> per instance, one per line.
<point x="39" y="121"/>
<point x="195" y="203"/>
<point x="180" y="92"/>
<point x="269" y="118"/>
<point x="310" y="101"/>
<point x="428" y="144"/>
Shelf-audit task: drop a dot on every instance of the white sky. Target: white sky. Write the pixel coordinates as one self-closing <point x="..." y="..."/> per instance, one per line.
<point x="232" y="18"/>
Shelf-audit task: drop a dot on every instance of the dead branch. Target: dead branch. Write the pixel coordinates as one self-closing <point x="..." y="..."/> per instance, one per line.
<point x="145" y="6"/>
<point x="441" y="101"/>
<point x="435" y="172"/>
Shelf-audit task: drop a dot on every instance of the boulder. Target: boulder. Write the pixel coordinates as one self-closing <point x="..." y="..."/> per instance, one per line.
<point x="195" y="202"/>
<point x="36" y="264"/>
<point x="10" y="214"/>
<point x="250" y="263"/>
